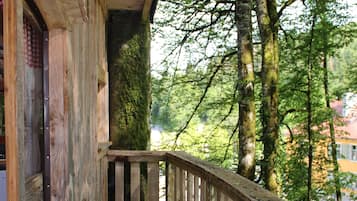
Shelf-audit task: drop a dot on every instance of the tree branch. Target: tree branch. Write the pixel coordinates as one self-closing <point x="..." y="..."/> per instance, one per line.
<point x="284" y="6"/>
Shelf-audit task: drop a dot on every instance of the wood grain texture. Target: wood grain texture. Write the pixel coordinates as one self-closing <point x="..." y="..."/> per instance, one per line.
<point x="196" y="188"/>
<point x="119" y="181"/>
<point x="190" y="189"/>
<point x="13" y="92"/>
<point x="203" y="190"/>
<point x="153" y="181"/>
<point x="58" y="66"/>
<point x="170" y="185"/>
<point x="231" y="184"/>
<point x="135" y="181"/>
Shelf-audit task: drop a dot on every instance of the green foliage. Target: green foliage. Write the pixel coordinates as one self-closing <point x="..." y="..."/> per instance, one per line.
<point x="200" y="34"/>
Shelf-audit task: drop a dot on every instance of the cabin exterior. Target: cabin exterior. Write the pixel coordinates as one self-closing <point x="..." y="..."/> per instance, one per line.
<point x="56" y="92"/>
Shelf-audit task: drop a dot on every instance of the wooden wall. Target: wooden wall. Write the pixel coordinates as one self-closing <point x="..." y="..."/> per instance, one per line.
<point x="78" y="97"/>
<point x="82" y="111"/>
<point x="13" y="91"/>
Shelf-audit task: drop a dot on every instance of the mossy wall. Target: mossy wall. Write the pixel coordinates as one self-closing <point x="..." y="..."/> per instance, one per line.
<point x="129" y="80"/>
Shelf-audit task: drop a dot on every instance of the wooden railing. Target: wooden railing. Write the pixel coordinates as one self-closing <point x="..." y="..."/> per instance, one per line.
<point x="186" y="178"/>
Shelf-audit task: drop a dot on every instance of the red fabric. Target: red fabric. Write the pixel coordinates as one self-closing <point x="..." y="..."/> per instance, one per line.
<point x="2" y="139"/>
<point x="33" y="45"/>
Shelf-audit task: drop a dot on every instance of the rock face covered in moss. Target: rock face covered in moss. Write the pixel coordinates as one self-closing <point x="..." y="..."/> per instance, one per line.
<point x="129" y="80"/>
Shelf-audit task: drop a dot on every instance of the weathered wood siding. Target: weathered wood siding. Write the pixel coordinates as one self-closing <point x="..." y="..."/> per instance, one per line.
<point x="13" y="91"/>
<point x="78" y="97"/>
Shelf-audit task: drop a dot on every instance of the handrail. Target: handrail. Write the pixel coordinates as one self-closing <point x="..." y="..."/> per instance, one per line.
<point x="230" y="183"/>
<point x="187" y="178"/>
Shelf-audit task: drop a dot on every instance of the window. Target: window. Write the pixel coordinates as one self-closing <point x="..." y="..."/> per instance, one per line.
<point x="354" y="153"/>
<point x="338" y="151"/>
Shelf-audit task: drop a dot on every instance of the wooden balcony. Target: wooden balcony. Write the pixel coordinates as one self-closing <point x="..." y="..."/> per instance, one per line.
<point x="178" y="176"/>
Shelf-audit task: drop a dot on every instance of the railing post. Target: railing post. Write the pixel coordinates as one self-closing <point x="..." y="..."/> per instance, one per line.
<point x="153" y="181"/>
<point x="203" y="192"/>
<point x="104" y="178"/>
<point x="189" y="186"/>
<point x="178" y="185"/>
<point x="135" y="181"/>
<point x="119" y="181"/>
<point x="196" y="188"/>
<point x="170" y="182"/>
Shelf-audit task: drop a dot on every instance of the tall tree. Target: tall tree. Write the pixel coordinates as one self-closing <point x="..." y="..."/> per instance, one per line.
<point x="130" y="83"/>
<point x="325" y="49"/>
<point x="309" y="111"/>
<point x="268" y="26"/>
<point x="247" y="127"/>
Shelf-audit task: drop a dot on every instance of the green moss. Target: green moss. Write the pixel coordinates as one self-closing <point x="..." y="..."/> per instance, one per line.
<point x="129" y="78"/>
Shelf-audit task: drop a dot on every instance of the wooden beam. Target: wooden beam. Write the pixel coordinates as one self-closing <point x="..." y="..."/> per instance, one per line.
<point x="52" y="13"/>
<point x="58" y="65"/>
<point x="125" y="4"/>
<point x="147" y="10"/>
<point x="13" y="89"/>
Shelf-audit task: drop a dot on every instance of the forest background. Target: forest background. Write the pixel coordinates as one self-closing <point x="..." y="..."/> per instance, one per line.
<point x="247" y="85"/>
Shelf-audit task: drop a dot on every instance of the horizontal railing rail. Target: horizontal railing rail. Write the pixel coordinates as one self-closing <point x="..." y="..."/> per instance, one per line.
<point x="186" y="178"/>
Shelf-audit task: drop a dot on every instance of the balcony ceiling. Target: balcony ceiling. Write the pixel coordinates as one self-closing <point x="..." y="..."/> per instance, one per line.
<point x="126" y="4"/>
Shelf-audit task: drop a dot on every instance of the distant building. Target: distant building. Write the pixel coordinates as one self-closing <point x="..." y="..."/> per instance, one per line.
<point x="346" y="137"/>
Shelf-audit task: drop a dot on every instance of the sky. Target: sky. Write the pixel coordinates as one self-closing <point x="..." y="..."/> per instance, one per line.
<point x="158" y="43"/>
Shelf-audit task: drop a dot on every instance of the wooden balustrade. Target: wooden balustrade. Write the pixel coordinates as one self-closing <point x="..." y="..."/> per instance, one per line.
<point x="186" y="178"/>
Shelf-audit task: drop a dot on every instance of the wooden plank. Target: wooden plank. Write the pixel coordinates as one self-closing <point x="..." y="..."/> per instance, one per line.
<point x="135" y="181"/>
<point x="196" y="188"/>
<point x="103" y="148"/>
<point x="125" y="4"/>
<point x="209" y="191"/>
<point x="190" y="189"/>
<point x="136" y="156"/>
<point x="232" y="184"/>
<point x="203" y="190"/>
<point x="146" y="10"/>
<point x="58" y="64"/>
<point x="119" y="181"/>
<point x="178" y="184"/>
<point x="153" y="181"/>
<point x="53" y="14"/>
<point x="219" y="195"/>
<point x="103" y="188"/>
<point x="170" y="182"/>
<point x="13" y="91"/>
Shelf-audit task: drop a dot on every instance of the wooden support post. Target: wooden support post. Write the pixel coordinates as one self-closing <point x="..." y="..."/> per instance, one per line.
<point x="14" y="107"/>
<point x="153" y="181"/>
<point x="179" y="187"/>
<point x="135" y="181"/>
<point x="219" y="195"/>
<point x="104" y="179"/>
<point x="190" y="190"/>
<point x="170" y="182"/>
<point x="146" y="10"/>
<point x="196" y="188"/>
<point x="203" y="191"/>
<point x="58" y="92"/>
<point x="119" y="181"/>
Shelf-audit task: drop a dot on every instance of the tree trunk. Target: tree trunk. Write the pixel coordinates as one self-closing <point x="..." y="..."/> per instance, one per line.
<point x="268" y="26"/>
<point x="129" y="80"/>
<point x="309" y="111"/>
<point x="332" y="131"/>
<point x="246" y="166"/>
<point x="129" y="87"/>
